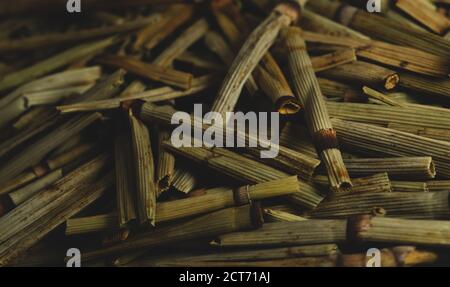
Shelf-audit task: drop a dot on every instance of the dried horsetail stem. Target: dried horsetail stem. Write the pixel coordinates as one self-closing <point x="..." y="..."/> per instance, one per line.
<point x="43" y="209"/>
<point x="181" y="14"/>
<point x="272" y="82"/>
<point x="317" y="23"/>
<point x="432" y="133"/>
<point x="268" y="254"/>
<point x="267" y="74"/>
<point x="316" y="114"/>
<point x="125" y="177"/>
<point x="391" y="142"/>
<point x="102" y="90"/>
<point x="165" y="167"/>
<point x="427" y="86"/>
<point x="347" y="93"/>
<point x="423" y="205"/>
<point x="380" y="97"/>
<point x="154" y="95"/>
<point x="399" y="57"/>
<point x="144" y="172"/>
<point x="71" y="78"/>
<point x="217" y="200"/>
<point x="418" y="115"/>
<point x="35" y="152"/>
<point x="236" y="166"/>
<point x="362" y="72"/>
<point x="20" y="195"/>
<point x="287" y="159"/>
<point x="329" y="61"/>
<point x="422" y="12"/>
<point x="380" y="27"/>
<point x="88" y="224"/>
<point x="272" y="215"/>
<point x="366" y="228"/>
<point x="183" y="180"/>
<point x="254" y="48"/>
<point x="375" y="183"/>
<point x="17" y="78"/>
<point x="186" y="39"/>
<point x="70" y="155"/>
<point x="151" y="71"/>
<point x="184" y="208"/>
<point x="409" y="186"/>
<point x="438" y="185"/>
<point x="41" y="170"/>
<point x="219" y="222"/>
<point x="48" y="40"/>
<point x="279" y="234"/>
<point x="218" y="45"/>
<point x="396" y="167"/>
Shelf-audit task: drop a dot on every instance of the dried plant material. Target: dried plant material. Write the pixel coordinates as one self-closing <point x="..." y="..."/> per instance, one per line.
<point x="374" y="183"/>
<point x="287" y="234"/>
<point x="20" y="77"/>
<point x="236" y="166"/>
<point x="396" y="56"/>
<point x="362" y="72"/>
<point x="426" y="15"/>
<point x="65" y="157"/>
<point x="387" y="141"/>
<point x="155" y="95"/>
<point x="287" y="159"/>
<point x="343" y="92"/>
<point x="186" y="39"/>
<point x="125" y="177"/>
<point x="277" y="215"/>
<point x="265" y="254"/>
<point x="396" y="167"/>
<point x="144" y="172"/>
<point x="249" y="55"/>
<point x="49" y="208"/>
<point x="427" y="86"/>
<point x="150" y="71"/>
<point x="184" y="180"/>
<point x="384" y="115"/>
<point x="438" y="185"/>
<point x="317" y="23"/>
<point x="409" y="186"/>
<point x="379" y="27"/>
<point x="403" y="231"/>
<point x="70" y="78"/>
<point x="308" y="92"/>
<point x="432" y="133"/>
<point x="272" y="82"/>
<point x="374" y="94"/>
<point x="219" y="222"/>
<point x="329" y="61"/>
<point x="34" y="153"/>
<point x="47" y="40"/>
<point x="423" y="205"/>
<point x="176" y="16"/>
<point x="165" y="167"/>
<point x="26" y="192"/>
<point x="96" y="223"/>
